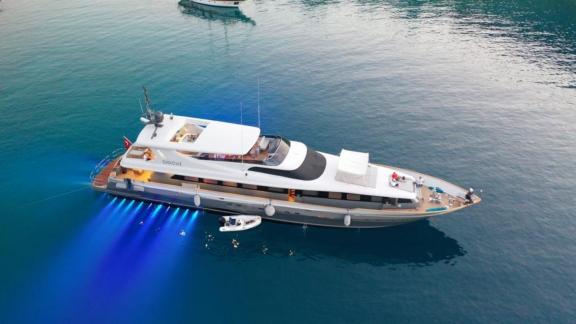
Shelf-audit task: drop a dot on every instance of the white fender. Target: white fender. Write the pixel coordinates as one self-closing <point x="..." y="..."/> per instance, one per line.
<point x="347" y="220"/>
<point x="269" y="210"/>
<point x="197" y="200"/>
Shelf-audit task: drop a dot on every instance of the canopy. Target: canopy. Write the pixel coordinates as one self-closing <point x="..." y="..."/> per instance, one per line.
<point x="353" y="168"/>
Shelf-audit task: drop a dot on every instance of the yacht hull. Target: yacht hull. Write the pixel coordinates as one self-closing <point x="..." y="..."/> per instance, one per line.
<point x="289" y="212"/>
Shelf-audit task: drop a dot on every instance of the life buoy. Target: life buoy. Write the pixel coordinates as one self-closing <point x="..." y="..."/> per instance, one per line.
<point x="197" y="200"/>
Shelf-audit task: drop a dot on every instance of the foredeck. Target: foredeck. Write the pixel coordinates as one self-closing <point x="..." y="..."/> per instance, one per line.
<point x="429" y="200"/>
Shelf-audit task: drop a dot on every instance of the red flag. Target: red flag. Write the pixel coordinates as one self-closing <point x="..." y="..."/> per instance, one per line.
<point x="127" y="143"/>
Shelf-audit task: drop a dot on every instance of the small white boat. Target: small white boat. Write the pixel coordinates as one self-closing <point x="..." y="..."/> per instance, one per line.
<point x="239" y="222"/>
<point x="219" y="3"/>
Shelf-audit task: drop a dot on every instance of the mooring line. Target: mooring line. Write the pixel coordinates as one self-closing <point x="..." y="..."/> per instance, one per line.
<point x="53" y="197"/>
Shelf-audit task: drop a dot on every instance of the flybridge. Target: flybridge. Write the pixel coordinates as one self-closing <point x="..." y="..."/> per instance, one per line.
<point x="199" y="135"/>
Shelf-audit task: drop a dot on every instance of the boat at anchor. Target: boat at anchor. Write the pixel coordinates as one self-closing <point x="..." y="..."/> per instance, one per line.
<point x="218" y="3"/>
<point x="233" y="168"/>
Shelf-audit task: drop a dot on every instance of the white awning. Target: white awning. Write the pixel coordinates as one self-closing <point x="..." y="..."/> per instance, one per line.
<point x="353" y="163"/>
<point x="354" y="168"/>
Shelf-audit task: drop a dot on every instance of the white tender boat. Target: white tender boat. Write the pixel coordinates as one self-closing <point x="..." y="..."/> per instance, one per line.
<point x="233" y="168"/>
<point x="237" y="223"/>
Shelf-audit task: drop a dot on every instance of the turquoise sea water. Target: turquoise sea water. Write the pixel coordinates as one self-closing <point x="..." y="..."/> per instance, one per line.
<point x="482" y="93"/>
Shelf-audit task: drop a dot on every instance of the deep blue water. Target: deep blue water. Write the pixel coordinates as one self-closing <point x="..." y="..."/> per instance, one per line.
<point x="482" y="93"/>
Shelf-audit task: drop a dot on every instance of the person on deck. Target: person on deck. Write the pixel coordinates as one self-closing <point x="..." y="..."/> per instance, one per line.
<point x="419" y="182"/>
<point x="469" y="195"/>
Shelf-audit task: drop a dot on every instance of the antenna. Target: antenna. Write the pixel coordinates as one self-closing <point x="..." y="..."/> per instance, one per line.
<point x="140" y="103"/>
<point x="258" y="102"/>
<point x="147" y="99"/>
<point x="151" y="117"/>
<point x="242" y="135"/>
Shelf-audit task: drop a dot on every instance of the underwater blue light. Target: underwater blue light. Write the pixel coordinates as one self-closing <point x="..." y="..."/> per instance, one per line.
<point x="117" y="208"/>
<point x="139" y="206"/>
<point x="156" y="211"/>
<point x="173" y="215"/>
<point x="191" y="221"/>
<point x="128" y="206"/>
<point x="183" y="217"/>
<point x="109" y="204"/>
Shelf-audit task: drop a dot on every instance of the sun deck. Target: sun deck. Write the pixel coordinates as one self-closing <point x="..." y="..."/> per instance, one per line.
<point x="199" y="135"/>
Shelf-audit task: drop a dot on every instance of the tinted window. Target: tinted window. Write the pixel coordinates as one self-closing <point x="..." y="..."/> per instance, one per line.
<point x="334" y="195"/>
<point x="352" y="197"/>
<point x="309" y="193"/>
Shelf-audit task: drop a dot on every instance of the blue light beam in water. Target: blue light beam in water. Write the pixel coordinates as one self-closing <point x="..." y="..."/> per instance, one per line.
<point x="190" y="223"/>
<point x="173" y="216"/>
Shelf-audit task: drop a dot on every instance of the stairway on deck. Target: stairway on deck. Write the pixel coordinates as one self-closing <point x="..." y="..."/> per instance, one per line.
<point x="101" y="180"/>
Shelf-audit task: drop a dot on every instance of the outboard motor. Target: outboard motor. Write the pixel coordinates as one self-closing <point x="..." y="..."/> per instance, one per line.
<point x="222" y="220"/>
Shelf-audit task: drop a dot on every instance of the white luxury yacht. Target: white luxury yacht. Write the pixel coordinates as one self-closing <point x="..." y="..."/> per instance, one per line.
<point x="229" y="167"/>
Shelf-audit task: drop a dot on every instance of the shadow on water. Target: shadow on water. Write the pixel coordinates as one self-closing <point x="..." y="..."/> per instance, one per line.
<point x="416" y="244"/>
<point x="224" y="15"/>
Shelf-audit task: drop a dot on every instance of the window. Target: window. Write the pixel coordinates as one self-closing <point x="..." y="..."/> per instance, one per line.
<point x="334" y="195"/>
<point x="309" y="193"/>
<point x="376" y="199"/>
<point x="210" y="181"/>
<point x="229" y="184"/>
<point x="278" y="190"/>
<point x="405" y="201"/>
<point x="183" y="178"/>
<point x="353" y="197"/>
<point x="248" y="186"/>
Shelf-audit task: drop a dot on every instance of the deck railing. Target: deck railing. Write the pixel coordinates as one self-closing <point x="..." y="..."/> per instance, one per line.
<point x="105" y="161"/>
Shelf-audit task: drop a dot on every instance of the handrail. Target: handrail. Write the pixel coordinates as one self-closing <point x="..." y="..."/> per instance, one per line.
<point x="105" y="161"/>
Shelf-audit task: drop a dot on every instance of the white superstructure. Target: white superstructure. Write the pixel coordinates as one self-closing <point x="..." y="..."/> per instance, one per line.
<point x="349" y="173"/>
